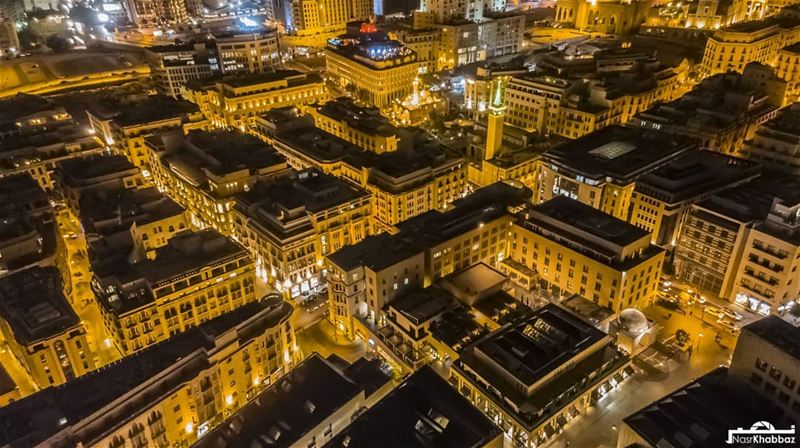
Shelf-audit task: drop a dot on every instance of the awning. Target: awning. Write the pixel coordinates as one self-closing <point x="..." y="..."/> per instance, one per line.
<point x="629" y="371"/>
<point x="561" y="420"/>
<point x="617" y="378"/>
<point x="573" y="411"/>
<point x="549" y="431"/>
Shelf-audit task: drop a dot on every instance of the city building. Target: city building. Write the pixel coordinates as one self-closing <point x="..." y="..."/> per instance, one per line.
<point x="123" y="123"/>
<point x="601" y="168"/>
<point x="78" y="176"/>
<point x="232" y="101"/>
<point x="713" y="239"/>
<point x="201" y="173"/>
<point x="195" y="277"/>
<point x="662" y="197"/>
<point x="363" y="126"/>
<point x="173" y="66"/>
<point x="421" y="175"/>
<point x="308" y="406"/>
<point x="767" y="357"/>
<point x="733" y="47"/>
<point x="696" y="14"/>
<point x="700" y="413"/>
<point x="9" y="391"/>
<point x="26" y="222"/>
<point x="766" y="281"/>
<point x="364" y="277"/>
<point x="248" y="52"/>
<point x="170" y="394"/>
<point x="156" y="12"/>
<point x="532" y="377"/>
<point x="478" y="86"/>
<point x="786" y="68"/>
<point x="377" y="70"/>
<point x="424" y="410"/>
<point x="290" y="224"/>
<point x="575" y="248"/>
<point x="719" y="114"/>
<point x="42" y="331"/>
<point x="776" y="143"/>
<point x="603" y="16"/>
<point x="314" y="21"/>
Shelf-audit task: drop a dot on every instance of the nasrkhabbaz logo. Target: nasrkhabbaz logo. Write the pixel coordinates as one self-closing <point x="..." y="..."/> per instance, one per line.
<point x="761" y="433"/>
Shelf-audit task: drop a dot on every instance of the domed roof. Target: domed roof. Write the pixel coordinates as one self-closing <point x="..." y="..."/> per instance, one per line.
<point x="633" y="320"/>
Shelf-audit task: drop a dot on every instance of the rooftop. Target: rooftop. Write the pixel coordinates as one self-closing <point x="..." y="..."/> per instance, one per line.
<point x="113" y="210"/>
<point x="622" y="153"/>
<point x="752" y="201"/>
<point x="283" y="206"/>
<point x="161" y="369"/>
<point x="33" y="303"/>
<point x="701" y="413"/>
<point x="432" y="228"/>
<point x="136" y="284"/>
<point x="694" y="174"/>
<point x="777" y="332"/>
<point x="79" y="171"/>
<point x="7" y="383"/>
<point x="374" y="49"/>
<point x="20" y="193"/>
<point x="151" y="109"/>
<point x="363" y="118"/>
<point x="302" y="399"/>
<point x="423" y="411"/>
<point x="22" y="105"/>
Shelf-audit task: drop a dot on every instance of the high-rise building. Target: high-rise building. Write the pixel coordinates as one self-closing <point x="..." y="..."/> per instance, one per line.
<point x="376" y="69"/>
<point x="41" y="329"/>
<point x="201" y="173"/>
<point x="170" y="394"/>
<point x="290" y="224"/>
<point x="252" y="52"/>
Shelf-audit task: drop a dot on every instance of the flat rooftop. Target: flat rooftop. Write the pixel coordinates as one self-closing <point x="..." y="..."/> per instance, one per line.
<point x="363" y="118"/>
<point x="415" y="235"/>
<point x="28" y="422"/>
<point x="701" y="413"/>
<point x="33" y="303"/>
<point x="777" y="332"/>
<point x="372" y="49"/>
<point x="752" y="201"/>
<point x="695" y="173"/>
<point x="7" y="384"/>
<point x="78" y="171"/>
<point x="114" y="210"/>
<point x="292" y="77"/>
<point x="185" y="253"/>
<point x="424" y="411"/>
<point x="297" y="403"/>
<point x="20" y="193"/>
<point x="148" y="110"/>
<point x="22" y="105"/>
<point x="622" y="153"/>
<point x="422" y="305"/>
<point x="284" y="205"/>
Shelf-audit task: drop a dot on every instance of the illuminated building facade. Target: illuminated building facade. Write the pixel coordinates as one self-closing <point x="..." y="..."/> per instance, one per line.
<point x="601" y="168"/>
<point x="233" y="101"/>
<point x="423" y="176"/>
<point x="577" y="249"/>
<point x="787" y="67"/>
<point x="42" y="331"/>
<point x="201" y="173"/>
<point x="156" y="12"/>
<point x="172" y="66"/>
<point x="733" y="47"/>
<point x="251" y="52"/>
<point x="376" y="69"/>
<point x="194" y="278"/>
<point x="328" y="18"/>
<point x="9" y="41"/>
<point x="291" y="223"/>
<point x="366" y="276"/>
<point x="361" y="125"/>
<point x="167" y="395"/>
<point x="602" y="16"/>
<point x="479" y="86"/>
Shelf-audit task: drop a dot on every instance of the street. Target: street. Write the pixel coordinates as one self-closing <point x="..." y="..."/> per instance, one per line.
<point x="321" y="338"/>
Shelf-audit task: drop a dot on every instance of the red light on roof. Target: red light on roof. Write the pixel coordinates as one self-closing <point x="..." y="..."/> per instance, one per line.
<point x="368" y="28"/>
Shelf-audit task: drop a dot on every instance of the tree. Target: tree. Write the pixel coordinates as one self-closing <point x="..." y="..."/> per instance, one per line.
<point x="682" y="336"/>
<point x="57" y="43"/>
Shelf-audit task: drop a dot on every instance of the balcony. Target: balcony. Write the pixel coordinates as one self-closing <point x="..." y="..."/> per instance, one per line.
<point x="765" y="264"/>
<point x="781" y="255"/>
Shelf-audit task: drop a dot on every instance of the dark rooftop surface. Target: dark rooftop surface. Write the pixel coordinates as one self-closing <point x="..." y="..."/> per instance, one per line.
<point x="22" y="105"/>
<point x="363" y="118"/>
<point x="151" y="109"/>
<point x="28" y="422"/>
<point x="695" y="173"/>
<point x="33" y="303"/>
<point x="20" y="194"/>
<point x="113" y="210"/>
<point x="622" y="153"/>
<point x="424" y="411"/>
<point x="78" y="170"/>
<point x="297" y="403"/>
<point x="421" y="305"/>
<point x="432" y="228"/>
<point x="283" y="206"/>
<point x="752" y="201"/>
<point x="758" y="25"/>
<point x="6" y="382"/>
<point x="701" y="413"/>
<point x="777" y="332"/>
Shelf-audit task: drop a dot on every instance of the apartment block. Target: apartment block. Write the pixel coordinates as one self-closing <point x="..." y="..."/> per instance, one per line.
<point x="79" y="176"/>
<point x="360" y="125"/>
<point x="776" y="143"/>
